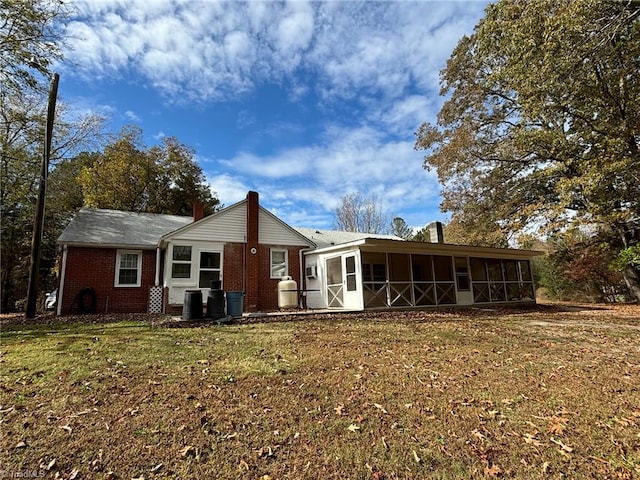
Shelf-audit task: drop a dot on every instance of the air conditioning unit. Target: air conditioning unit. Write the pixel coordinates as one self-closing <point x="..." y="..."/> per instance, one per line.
<point x="310" y="271"/>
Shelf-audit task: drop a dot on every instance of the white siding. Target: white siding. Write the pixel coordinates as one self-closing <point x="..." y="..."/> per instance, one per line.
<point x="271" y="231"/>
<point x="225" y="226"/>
<point x="177" y="286"/>
<point x="316" y="296"/>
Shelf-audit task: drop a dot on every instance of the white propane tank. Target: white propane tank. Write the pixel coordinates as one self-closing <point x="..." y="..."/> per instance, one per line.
<point x="287" y="293"/>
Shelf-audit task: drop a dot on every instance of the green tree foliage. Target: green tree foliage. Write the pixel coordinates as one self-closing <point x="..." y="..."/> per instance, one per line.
<point x="541" y="125"/>
<point x="29" y="40"/>
<point x="160" y="179"/>
<point x="400" y="228"/>
<point x="360" y="213"/>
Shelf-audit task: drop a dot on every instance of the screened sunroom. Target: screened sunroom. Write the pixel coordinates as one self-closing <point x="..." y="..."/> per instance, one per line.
<point x="377" y="273"/>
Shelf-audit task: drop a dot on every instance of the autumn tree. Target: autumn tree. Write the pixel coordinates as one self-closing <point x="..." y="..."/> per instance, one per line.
<point x="22" y="117"/>
<point x="359" y="213"/>
<point x="541" y="122"/>
<point x="577" y="266"/>
<point x="465" y="229"/>
<point x="129" y="176"/>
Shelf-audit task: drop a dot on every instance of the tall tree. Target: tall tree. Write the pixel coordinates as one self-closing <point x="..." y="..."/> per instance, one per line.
<point x="467" y="229"/>
<point x="542" y="122"/>
<point x="29" y="40"/>
<point x="400" y="228"/>
<point x="22" y="117"/>
<point x="162" y="179"/>
<point x="359" y="213"/>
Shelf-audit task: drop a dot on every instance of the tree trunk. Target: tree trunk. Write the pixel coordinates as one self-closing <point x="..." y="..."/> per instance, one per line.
<point x="632" y="279"/>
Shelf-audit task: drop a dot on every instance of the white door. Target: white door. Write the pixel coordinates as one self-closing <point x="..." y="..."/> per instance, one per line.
<point x="335" y="287"/>
<point x="351" y="282"/>
<point x="343" y="285"/>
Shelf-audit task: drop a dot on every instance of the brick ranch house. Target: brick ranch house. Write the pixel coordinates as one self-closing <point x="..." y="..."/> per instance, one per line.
<point x="124" y="262"/>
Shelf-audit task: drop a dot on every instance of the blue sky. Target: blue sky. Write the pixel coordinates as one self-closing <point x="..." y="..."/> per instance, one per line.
<point x="303" y="102"/>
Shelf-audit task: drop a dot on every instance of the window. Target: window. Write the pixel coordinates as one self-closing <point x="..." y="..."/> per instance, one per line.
<point x="209" y="273"/>
<point x="279" y="264"/>
<point x="351" y="273"/>
<point x="181" y="262"/>
<point x="128" y="268"/>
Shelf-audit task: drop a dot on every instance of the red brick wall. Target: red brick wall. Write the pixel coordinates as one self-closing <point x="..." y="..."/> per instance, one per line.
<point x="233" y="267"/>
<point x="252" y="293"/>
<point x="261" y="291"/>
<point x="95" y="268"/>
<point x="269" y="286"/>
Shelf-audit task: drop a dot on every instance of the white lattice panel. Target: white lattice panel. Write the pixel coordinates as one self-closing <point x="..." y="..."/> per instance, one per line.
<point x="155" y="299"/>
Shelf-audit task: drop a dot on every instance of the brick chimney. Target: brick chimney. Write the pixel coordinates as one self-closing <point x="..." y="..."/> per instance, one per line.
<point x="252" y="254"/>
<point x="198" y="211"/>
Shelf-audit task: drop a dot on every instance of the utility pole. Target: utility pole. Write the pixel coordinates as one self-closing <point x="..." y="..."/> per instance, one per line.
<point x="38" y="220"/>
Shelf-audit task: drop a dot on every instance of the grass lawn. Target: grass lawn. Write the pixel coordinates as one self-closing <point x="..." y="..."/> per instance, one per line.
<point x="548" y="392"/>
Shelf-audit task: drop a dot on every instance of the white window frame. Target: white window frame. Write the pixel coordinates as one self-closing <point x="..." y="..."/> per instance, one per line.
<point x="286" y="262"/>
<point x="119" y="255"/>
<point x="211" y="269"/>
<point x="182" y="262"/>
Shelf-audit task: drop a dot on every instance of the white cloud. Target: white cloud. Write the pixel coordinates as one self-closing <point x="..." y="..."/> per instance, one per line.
<point x="218" y="50"/>
<point x="131" y="115"/>
<point x="348" y="159"/>
<point x="383" y="57"/>
<point x="228" y="188"/>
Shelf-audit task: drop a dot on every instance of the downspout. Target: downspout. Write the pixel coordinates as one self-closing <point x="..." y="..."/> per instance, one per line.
<point x="63" y="271"/>
<point x="303" y="280"/>
<point x="244" y="266"/>
<point x="157" y="279"/>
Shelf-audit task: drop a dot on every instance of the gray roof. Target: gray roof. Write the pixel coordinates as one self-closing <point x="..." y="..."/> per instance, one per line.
<point x="129" y="229"/>
<point x="118" y="228"/>
<point x="327" y="238"/>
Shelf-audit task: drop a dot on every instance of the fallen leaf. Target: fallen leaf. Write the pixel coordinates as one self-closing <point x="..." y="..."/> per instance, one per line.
<point x="66" y="428"/>
<point x="531" y="440"/>
<point x="188" y="450"/>
<point x="339" y="409"/>
<point x="416" y="457"/>
<point x="353" y="427"/>
<point x="546" y="466"/>
<point x="557" y="425"/>
<point x="493" y="471"/>
<point x="380" y="407"/>
<point x="21" y="444"/>
<point x="564" y="447"/>
<point x="48" y="466"/>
